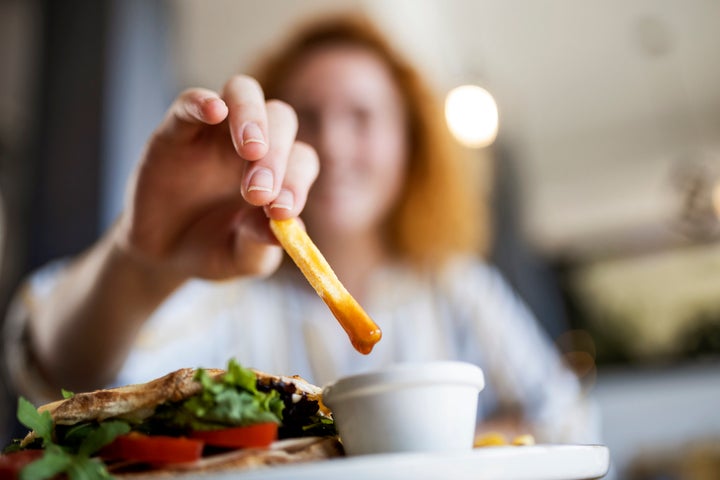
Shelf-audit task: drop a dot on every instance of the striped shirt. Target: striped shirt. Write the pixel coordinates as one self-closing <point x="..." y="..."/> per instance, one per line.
<point x="466" y="312"/>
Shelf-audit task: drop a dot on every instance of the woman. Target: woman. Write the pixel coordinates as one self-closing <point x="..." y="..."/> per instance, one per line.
<point x="394" y="210"/>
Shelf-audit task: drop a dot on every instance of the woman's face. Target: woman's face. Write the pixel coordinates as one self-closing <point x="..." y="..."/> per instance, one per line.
<point x="350" y="110"/>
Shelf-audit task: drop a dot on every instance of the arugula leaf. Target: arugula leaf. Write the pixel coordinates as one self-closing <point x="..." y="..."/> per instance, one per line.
<point x="84" y="468"/>
<point x="41" y="423"/>
<point x="322" y="426"/>
<point x="103" y="435"/>
<point x="74" y="459"/>
<point x="54" y="461"/>
<point x="13" y="446"/>
<point x="67" y="393"/>
<point x="72" y="436"/>
<point x="89" y="437"/>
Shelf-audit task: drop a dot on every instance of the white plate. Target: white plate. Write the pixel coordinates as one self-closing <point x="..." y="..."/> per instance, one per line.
<point x="539" y="462"/>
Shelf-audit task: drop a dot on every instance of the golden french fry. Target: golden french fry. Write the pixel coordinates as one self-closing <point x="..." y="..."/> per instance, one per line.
<point x="361" y="329"/>
<point x="490" y="439"/>
<point x="523" y="440"/>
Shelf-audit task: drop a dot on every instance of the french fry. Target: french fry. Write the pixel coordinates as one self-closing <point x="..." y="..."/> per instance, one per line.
<point x="497" y="439"/>
<point x="490" y="439"/>
<point x="523" y="440"/>
<point x="360" y="328"/>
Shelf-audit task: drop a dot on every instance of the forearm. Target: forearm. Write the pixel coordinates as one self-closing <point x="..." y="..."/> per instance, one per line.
<point x="82" y="333"/>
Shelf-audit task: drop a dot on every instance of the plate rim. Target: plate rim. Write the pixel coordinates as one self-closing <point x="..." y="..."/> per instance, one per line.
<point x="361" y="466"/>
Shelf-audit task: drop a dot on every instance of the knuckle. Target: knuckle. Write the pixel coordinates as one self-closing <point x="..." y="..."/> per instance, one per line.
<point x="304" y="149"/>
<point x="241" y="81"/>
<point x="305" y="153"/>
<point x="282" y="109"/>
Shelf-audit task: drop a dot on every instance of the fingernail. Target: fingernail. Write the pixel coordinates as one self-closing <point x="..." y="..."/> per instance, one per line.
<point x="261" y="181"/>
<point x="252" y="134"/>
<point x="206" y="100"/>
<point x="285" y="200"/>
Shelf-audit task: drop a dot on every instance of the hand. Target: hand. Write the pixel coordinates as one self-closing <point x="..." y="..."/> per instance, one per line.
<point x="211" y="174"/>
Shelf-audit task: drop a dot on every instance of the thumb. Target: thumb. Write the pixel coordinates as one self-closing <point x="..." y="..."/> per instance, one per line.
<point x="192" y="109"/>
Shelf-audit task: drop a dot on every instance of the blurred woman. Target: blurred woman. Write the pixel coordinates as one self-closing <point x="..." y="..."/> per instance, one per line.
<point x="395" y="209"/>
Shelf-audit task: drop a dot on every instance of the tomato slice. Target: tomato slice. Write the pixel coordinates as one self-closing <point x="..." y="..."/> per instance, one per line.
<point x="258" y="435"/>
<point x="155" y="449"/>
<point x="12" y="463"/>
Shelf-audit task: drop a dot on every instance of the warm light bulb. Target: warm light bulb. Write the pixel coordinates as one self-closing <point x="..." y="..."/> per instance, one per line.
<point x="472" y="115"/>
<point x="716" y="198"/>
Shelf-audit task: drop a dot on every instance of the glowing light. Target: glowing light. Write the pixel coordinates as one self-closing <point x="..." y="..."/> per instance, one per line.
<point x="472" y="116"/>
<point x="716" y="199"/>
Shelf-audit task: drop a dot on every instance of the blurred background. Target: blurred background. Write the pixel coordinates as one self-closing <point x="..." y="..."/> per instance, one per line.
<point x="603" y="168"/>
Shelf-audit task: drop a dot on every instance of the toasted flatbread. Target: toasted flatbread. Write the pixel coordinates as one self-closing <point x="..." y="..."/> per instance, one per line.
<point x="132" y="402"/>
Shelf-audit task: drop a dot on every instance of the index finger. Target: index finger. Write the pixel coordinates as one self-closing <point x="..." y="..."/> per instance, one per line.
<point x="247" y="116"/>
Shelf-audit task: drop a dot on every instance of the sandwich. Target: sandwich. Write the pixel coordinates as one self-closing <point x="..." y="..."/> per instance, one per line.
<point x="190" y="420"/>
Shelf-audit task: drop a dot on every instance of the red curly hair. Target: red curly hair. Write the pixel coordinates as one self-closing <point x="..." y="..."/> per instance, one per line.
<point x="441" y="211"/>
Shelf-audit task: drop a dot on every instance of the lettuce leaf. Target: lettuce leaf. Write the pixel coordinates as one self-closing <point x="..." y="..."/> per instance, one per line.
<point x="230" y="401"/>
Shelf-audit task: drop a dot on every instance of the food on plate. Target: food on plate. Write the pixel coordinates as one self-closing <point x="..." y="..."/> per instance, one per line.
<point x="188" y="420"/>
<point x="361" y="329"/>
<point x="523" y="440"/>
<point x="497" y="439"/>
